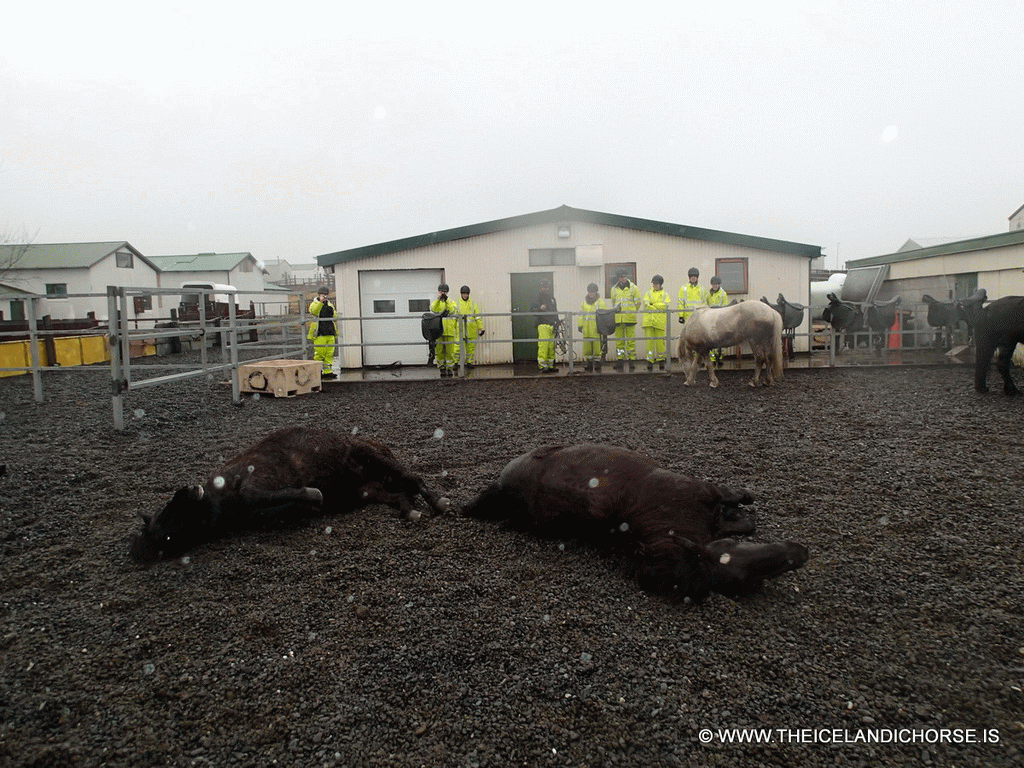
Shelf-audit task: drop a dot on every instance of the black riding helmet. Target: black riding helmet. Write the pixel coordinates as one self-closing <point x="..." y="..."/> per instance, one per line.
<point x="694" y="272"/>
<point x="464" y="289"/>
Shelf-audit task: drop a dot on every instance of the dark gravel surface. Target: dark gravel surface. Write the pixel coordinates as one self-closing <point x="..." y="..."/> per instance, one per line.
<point x="367" y="640"/>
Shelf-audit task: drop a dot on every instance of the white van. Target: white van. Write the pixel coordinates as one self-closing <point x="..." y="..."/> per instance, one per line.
<point x="217" y="303"/>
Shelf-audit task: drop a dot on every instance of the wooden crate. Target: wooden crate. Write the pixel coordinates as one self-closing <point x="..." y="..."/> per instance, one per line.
<point x="280" y="378"/>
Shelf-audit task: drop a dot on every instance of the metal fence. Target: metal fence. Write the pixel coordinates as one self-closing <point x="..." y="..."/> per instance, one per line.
<point x="225" y="342"/>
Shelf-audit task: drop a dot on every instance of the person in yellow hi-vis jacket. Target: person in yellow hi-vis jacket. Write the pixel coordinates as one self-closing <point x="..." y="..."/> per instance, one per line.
<point x="470" y="310"/>
<point x="587" y="325"/>
<point x="656" y="301"/>
<point x="323" y="332"/>
<point x="717" y="297"/>
<point x="625" y="296"/>
<point x="445" y="349"/>
<point x="691" y="295"/>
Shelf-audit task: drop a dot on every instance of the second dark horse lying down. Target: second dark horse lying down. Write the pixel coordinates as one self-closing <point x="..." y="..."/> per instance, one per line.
<point x="291" y="475"/>
<point x="675" y="527"/>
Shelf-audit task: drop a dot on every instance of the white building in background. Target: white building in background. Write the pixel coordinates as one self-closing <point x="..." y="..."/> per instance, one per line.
<point x="282" y="272"/>
<point x="59" y="271"/>
<point x="1017" y="219"/>
<point x="242" y="270"/>
<point x="384" y="289"/>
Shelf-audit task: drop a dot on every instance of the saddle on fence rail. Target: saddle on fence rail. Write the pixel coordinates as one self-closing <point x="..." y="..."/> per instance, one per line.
<point x="606" y="321"/>
<point x="880" y="315"/>
<point x="842" y="315"/>
<point x="940" y="313"/>
<point x="792" y="314"/>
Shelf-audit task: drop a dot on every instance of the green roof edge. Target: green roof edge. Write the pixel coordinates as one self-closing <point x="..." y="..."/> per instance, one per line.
<point x="566" y="214"/>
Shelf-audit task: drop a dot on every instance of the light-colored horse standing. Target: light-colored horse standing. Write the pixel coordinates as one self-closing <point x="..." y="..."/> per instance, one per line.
<point x="751" y="322"/>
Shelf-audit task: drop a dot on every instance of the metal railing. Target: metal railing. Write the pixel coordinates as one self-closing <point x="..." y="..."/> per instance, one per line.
<point x="273" y="336"/>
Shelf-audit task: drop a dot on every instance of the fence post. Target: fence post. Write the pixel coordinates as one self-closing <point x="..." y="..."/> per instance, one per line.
<point x="463" y="325"/>
<point x="569" y="346"/>
<point x="668" y="340"/>
<point x="33" y="347"/>
<point x="236" y="395"/>
<point x="117" y="382"/>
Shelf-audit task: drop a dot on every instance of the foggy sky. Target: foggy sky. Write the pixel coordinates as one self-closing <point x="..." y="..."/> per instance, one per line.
<point x="291" y="131"/>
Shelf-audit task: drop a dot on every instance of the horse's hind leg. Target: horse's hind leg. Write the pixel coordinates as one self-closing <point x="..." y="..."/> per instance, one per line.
<point x="1003" y="357"/>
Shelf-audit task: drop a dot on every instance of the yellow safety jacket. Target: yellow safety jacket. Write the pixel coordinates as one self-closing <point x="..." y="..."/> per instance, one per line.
<point x="655" y="304"/>
<point x="691" y="297"/>
<point x="588" y="320"/>
<point x="718" y="298"/>
<point x="449" y="326"/>
<point x="316" y="326"/>
<point x="470" y="310"/>
<point x="628" y="299"/>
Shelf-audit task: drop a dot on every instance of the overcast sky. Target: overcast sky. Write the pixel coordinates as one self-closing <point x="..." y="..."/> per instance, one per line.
<point x="289" y="130"/>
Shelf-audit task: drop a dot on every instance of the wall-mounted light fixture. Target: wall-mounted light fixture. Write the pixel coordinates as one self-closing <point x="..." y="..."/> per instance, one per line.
<point x="564" y="231"/>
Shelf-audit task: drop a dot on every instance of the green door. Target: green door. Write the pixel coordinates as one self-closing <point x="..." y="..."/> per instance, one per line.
<point x="525" y="287"/>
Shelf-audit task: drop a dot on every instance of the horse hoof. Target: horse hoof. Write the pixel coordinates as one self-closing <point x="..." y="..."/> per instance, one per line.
<point x="443" y="504"/>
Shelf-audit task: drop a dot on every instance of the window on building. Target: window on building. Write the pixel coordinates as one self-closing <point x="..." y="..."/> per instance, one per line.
<point x="419" y="305"/>
<point x="733" y="273"/>
<point x="56" y="290"/>
<point x="384" y="306"/>
<point x="125" y="259"/>
<point x="547" y="257"/>
<point x="611" y="275"/>
<point x="143" y="304"/>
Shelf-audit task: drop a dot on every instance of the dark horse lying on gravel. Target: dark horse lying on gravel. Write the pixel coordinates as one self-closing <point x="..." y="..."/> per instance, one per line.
<point x="999" y="328"/>
<point x="293" y="474"/>
<point x="675" y="527"/>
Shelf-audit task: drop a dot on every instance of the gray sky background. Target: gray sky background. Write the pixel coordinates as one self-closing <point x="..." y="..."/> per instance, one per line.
<point x="296" y="129"/>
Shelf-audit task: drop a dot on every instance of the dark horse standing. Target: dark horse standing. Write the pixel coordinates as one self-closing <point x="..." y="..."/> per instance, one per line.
<point x="998" y="330"/>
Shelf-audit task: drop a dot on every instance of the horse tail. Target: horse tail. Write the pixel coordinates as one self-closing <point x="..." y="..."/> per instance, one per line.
<point x="776" y="346"/>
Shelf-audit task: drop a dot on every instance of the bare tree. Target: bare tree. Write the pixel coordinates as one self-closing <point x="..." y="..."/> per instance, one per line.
<point x="13" y="246"/>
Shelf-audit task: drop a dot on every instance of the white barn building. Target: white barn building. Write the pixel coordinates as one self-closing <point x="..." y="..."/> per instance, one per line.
<point x="60" y="271"/>
<point x="383" y="289"/>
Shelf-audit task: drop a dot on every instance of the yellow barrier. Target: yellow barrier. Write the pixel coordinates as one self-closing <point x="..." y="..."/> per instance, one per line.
<point x="71" y="350"/>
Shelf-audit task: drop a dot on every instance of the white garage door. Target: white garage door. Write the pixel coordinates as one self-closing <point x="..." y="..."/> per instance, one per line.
<point x="393" y="302"/>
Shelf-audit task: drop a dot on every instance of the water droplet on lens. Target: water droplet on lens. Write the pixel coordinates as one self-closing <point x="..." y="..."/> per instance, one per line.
<point x="139" y="413"/>
<point x="251" y="469"/>
<point x="328" y="530"/>
<point x="624" y="527"/>
<point x="218" y="482"/>
<point x="438" y="433"/>
<point x="594" y="482"/>
<point x="355" y="430"/>
<point x="725" y="558"/>
<point x="148" y="669"/>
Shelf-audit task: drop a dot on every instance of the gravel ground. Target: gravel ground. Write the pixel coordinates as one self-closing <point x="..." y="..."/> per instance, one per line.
<point x="366" y="640"/>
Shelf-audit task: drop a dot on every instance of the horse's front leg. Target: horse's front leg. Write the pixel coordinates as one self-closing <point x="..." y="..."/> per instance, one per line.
<point x="712" y="376"/>
<point x="690" y="366"/>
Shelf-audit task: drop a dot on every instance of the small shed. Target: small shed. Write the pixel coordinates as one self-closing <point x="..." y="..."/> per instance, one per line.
<point x="388" y="286"/>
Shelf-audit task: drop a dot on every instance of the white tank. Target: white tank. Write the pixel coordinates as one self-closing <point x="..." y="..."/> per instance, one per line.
<point x="821" y="290"/>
